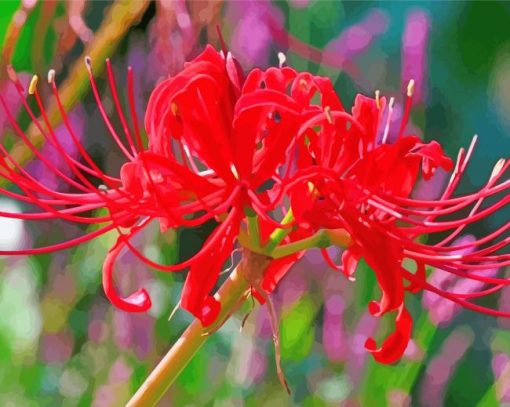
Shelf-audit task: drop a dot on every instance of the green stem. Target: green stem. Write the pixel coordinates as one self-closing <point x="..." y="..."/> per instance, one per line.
<point x="279" y="234"/>
<point x="253" y="230"/>
<point x="231" y="293"/>
<point x="319" y="239"/>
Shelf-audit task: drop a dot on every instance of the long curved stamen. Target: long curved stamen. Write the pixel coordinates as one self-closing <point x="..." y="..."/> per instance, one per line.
<point x="407" y="108"/>
<point x="76" y="141"/>
<point x="100" y="106"/>
<point x="32" y="148"/>
<point x="74" y="164"/>
<point x="388" y="120"/>
<point x="474" y="307"/>
<point x="59" y="246"/>
<point x="132" y="108"/>
<point x="113" y="89"/>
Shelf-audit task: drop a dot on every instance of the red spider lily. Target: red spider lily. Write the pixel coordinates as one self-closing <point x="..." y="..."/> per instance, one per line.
<point x="363" y="185"/>
<point x="223" y="147"/>
<point x="214" y="142"/>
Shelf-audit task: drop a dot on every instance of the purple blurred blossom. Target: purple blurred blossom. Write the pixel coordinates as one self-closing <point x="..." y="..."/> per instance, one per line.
<point x="413" y="352"/>
<point x="442" y="366"/>
<point x="398" y="398"/>
<point x="433" y="188"/>
<point x="77" y="119"/>
<point x="56" y="348"/>
<point x="414" y="51"/>
<point x="251" y="38"/>
<point x="334" y="337"/>
<point x="9" y="93"/>
<point x="171" y="38"/>
<point x="358" y="355"/>
<point x="131" y="330"/>
<point x="441" y="310"/>
<point x="110" y="393"/>
<point x="98" y="329"/>
<point x="357" y="38"/>
<point x="258" y="365"/>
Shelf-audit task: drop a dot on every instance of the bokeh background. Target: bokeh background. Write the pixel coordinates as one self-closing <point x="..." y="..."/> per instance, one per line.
<point x="63" y="343"/>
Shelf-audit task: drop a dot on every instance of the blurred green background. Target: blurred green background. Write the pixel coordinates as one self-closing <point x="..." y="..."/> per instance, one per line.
<point x="63" y="343"/>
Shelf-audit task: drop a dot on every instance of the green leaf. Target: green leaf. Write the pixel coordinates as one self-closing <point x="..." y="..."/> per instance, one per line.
<point x="297" y="332"/>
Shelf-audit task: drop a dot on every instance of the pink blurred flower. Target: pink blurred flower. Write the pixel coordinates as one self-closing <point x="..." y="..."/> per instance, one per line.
<point x="414" y="51"/>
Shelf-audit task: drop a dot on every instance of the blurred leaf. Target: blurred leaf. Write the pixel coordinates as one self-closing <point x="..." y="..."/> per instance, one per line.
<point x="193" y="378"/>
<point x="297" y="331"/>
<point x="8" y="10"/>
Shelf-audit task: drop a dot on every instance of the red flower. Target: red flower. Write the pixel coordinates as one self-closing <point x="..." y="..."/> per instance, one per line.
<point x="362" y="185"/>
<point x="216" y="143"/>
<point x="235" y="150"/>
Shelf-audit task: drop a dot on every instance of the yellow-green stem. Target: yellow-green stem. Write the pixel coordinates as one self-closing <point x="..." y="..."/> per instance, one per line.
<point x="230" y="294"/>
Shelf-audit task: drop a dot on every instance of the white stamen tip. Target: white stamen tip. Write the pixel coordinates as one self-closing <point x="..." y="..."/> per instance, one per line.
<point x="51" y="76"/>
<point x="388" y="120"/>
<point x="88" y="61"/>
<point x="392" y="102"/>
<point x="33" y="84"/>
<point x="498" y="167"/>
<point x="410" y="88"/>
<point x="282" y="59"/>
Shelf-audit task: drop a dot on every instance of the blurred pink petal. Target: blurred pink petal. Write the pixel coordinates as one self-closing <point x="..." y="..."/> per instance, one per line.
<point x="414" y="51"/>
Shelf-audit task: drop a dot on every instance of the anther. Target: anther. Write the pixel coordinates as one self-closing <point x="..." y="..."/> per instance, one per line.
<point x="282" y="59"/>
<point x="498" y="167"/>
<point x="33" y="84"/>
<point x="392" y="102"/>
<point x="378" y="98"/>
<point x="51" y="76"/>
<point x="410" y="88"/>
<point x="174" y="108"/>
<point x="327" y="112"/>
<point x="88" y="62"/>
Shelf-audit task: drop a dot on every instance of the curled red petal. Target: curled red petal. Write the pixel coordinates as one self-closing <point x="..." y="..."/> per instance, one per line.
<point x="349" y="262"/>
<point x="139" y="301"/>
<point x="395" y="344"/>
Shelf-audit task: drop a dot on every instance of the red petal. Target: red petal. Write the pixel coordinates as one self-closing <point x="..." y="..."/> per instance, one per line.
<point x="394" y="345"/>
<point x="203" y="274"/>
<point x="366" y="112"/>
<point x="139" y="301"/>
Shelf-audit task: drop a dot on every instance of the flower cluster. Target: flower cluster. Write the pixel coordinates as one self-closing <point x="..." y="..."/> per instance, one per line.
<point x="280" y="165"/>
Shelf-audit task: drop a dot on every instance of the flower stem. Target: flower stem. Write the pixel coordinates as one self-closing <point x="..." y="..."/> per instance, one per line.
<point x="231" y="294"/>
